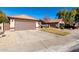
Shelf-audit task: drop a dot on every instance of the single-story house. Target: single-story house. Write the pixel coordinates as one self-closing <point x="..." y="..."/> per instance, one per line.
<point x="22" y="22"/>
<point x="51" y="23"/>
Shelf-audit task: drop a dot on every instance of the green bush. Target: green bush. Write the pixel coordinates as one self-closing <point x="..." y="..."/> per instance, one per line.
<point x="62" y="26"/>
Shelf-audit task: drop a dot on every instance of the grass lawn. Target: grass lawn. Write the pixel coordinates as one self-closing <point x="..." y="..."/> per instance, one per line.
<point x="60" y="32"/>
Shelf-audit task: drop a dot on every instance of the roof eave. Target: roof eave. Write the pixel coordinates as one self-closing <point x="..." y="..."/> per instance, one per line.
<point x="21" y="18"/>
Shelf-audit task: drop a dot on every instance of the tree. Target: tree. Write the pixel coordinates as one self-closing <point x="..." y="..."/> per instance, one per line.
<point x="63" y="14"/>
<point x="67" y="16"/>
<point x="72" y="16"/>
<point x="77" y="14"/>
<point x="3" y="19"/>
<point x="59" y="14"/>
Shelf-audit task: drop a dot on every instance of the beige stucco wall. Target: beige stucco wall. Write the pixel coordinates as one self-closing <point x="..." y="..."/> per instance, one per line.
<point x="1" y="25"/>
<point x="38" y="24"/>
<point x="12" y="24"/>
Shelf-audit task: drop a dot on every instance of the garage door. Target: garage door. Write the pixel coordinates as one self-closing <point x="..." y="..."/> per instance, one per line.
<point x="25" y="25"/>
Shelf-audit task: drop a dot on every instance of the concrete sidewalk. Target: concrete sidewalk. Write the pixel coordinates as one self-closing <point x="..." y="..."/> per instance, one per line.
<point x="36" y="41"/>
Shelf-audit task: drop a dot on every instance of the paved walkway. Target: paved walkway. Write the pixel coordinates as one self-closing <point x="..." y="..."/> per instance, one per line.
<point x="32" y="41"/>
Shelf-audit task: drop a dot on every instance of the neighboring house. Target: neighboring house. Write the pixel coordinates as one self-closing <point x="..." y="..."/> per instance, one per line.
<point x="52" y="23"/>
<point x="22" y="22"/>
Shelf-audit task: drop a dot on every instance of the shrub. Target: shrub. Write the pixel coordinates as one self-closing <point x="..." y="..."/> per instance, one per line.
<point x="62" y="26"/>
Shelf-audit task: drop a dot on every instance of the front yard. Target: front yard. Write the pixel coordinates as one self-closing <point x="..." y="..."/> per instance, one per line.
<point x="60" y="32"/>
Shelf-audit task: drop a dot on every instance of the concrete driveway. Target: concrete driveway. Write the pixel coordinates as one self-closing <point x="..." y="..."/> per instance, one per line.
<point x="32" y="41"/>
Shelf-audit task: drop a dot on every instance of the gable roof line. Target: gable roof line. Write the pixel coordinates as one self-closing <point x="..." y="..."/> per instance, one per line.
<point x="22" y="17"/>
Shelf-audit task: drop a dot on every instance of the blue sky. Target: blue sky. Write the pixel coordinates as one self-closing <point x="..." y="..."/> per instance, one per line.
<point x="36" y="12"/>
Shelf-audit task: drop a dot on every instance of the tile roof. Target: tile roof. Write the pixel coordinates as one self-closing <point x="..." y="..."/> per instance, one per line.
<point x="52" y="21"/>
<point x="57" y="20"/>
<point x="22" y="17"/>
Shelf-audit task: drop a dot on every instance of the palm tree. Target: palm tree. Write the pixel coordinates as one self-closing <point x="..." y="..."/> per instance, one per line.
<point x="63" y="14"/>
<point x="3" y="19"/>
<point x="71" y="16"/>
<point x="77" y="14"/>
<point x="67" y="16"/>
<point x="59" y="14"/>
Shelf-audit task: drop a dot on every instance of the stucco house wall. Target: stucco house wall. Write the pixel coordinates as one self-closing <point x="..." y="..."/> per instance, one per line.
<point x="38" y="25"/>
<point x="23" y="22"/>
<point x="1" y="27"/>
<point x="16" y="24"/>
<point x="12" y="24"/>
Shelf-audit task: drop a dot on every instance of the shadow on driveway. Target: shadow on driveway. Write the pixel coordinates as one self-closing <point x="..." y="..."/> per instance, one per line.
<point x="76" y="50"/>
